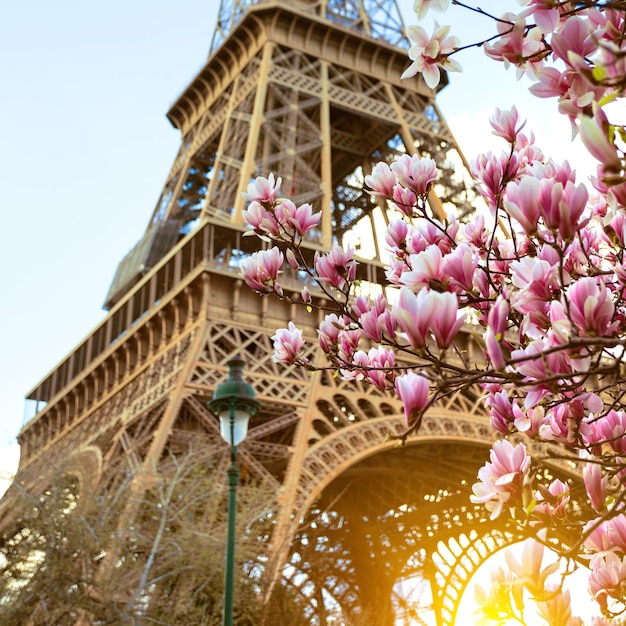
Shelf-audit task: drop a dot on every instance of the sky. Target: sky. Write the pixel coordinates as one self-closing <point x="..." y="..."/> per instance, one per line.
<point x="85" y="148"/>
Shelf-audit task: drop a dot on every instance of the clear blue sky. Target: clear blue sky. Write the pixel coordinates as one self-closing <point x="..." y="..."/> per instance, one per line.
<point x="85" y="148"/>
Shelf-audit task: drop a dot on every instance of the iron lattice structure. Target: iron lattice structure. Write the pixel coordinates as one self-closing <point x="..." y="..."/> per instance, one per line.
<point x="379" y="19"/>
<point x="311" y="92"/>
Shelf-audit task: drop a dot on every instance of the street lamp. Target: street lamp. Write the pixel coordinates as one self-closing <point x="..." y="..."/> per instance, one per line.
<point x="234" y="402"/>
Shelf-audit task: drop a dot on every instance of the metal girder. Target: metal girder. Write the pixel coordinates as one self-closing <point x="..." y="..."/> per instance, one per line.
<point x="379" y="19"/>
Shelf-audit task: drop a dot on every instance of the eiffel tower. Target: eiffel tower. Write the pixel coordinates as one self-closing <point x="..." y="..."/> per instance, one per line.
<point x="309" y="90"/>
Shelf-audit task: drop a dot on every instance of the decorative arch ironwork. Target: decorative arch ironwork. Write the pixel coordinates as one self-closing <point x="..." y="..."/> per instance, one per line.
<point x="392" y="515"/>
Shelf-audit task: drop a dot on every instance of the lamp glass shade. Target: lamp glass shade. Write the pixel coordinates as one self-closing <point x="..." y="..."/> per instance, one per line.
<point x="240" y="425"/>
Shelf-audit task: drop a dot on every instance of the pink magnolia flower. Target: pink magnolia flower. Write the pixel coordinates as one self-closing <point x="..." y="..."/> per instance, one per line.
<point x="287" y="344"/>
<point x="494" y="172"/>
<point x="446" y="323"/>
<point x="475" y="232"/>
<point x="594" y="132"/>
<point x="428" y="311"/>
<point x="431" y="232"/>
<point x="396" y="236"/>
<point x="521" y="203"/>
<point x="421" y="7"/>
<point x="529" y="572"/>
<point x="538" y="362"/>
<point x="616" y="193"/>
<point x="379" y="303"/>
<point x="538" y="277"/>
<point x="357" y="369"/>
<point x="261" y="220"/>
<point x="412" y="389"/>
<point x="551" y="83"/>
<point x="416" y="173"/>
<point x="549" y="169"/>
<point x="384" y="359"/>
<point x="588" y="244"/>
<point x="328" y="332"/>
<point x="620" y="274"/>
<point x="375" y="324"/>
<point x="292" y="259"/>
<point x="263" y="190"/>
<point x="502" y="480"/>
<point x="562" y="206"/>
<point x="556" y="610"/>
<point x="395" y="270"/>
<point x="260" y="270"/>
<point x="591" y="307"/>
<point x="414" y="314"/>
<point x="529" y="420"/>
<point x="552" y="501"/>
<point x="336" y="267"/>
<point x="502" y="593"/>
<point x="296" y="220"/>
<point x="515" y="46"/>
<point x="498" y="317"/>
<point x="617" y="226"/>
<point x="429" y="53"/>
<point x="387" y="321"/>
<point x="382" y="181"/>
<point x="577" y="37"/>
<point x="505" y="124"/>
<point x="527" y="153"/>
<point x="608" y="578"/>
<point x="348" y="344"/>
<point x="404" y="200"/>
<point x="617" y="532"/>
<point x="361" y="305"/>
<point x="560" y="326"/>
<point x="566" y="423"/>
<point x="595" y="485"/>
<point x="544" y="13"/>
<point x="537" y="281"/>
<point x="493" y="349"/>
<point x="598" y="539"/>
<point x="426" y="269"/>
<point x="611" y="430"/>
<point x="610" y="57"/>
<point x="608" y="24"/>
<point x="500" y="410"/>
<point x="580" y="96"/>
<point x="460" y="266"/>
<point x="574" y="86"/>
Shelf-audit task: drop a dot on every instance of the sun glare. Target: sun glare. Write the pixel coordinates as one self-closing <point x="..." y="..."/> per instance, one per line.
<point x="581" y="603"/>
<point x="414" y="600"/>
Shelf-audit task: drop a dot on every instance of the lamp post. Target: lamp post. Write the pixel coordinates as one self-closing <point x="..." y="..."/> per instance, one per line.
<point x="234" y="402"/>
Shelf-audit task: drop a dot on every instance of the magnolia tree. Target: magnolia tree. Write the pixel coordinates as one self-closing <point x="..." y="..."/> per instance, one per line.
<point x="541" y="273"/>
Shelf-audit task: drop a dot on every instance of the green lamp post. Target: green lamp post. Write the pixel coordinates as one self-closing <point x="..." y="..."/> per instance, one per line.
<point x="234" y="402"/>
